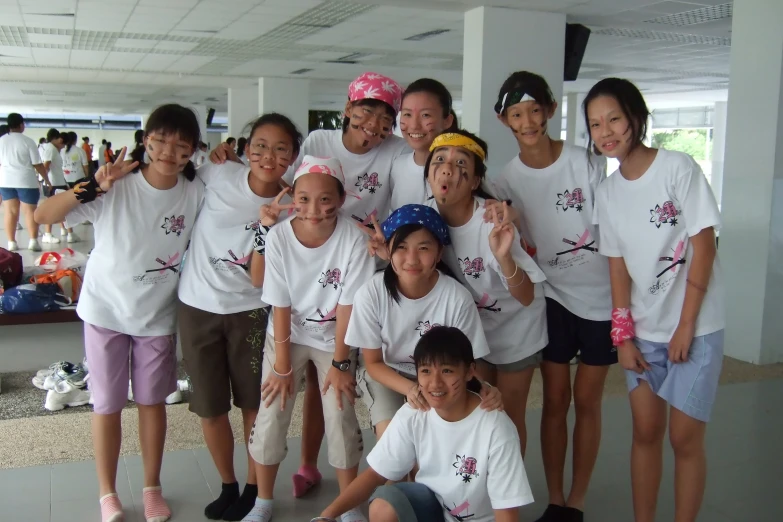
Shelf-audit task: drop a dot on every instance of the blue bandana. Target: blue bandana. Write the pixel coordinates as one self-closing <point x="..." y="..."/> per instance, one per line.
<point x="417" y="215"/>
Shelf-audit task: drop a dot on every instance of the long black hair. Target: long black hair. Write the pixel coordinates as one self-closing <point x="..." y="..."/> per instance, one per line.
<point x="241" y="142"/>
<point x="281" y="121"/>
<point x="481" y="167"/>
<point x="390" y="279"/>
<point x="70" y="140"/>
<point x="171" y="119"/>
<point x="631" y="103"/>
<point x="435" y="88"/>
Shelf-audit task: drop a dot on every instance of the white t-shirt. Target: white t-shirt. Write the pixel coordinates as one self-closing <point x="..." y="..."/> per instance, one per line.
<point x="648" y="222"/>
<point x="216" y="277"/>
<point x="52" y="155"/>
<point x="408" y="184"/>
<point x="379" y="322"/>
<point x="313" y="281"/>
<point x="556" y="204"/>
<point x="513" y="331"/>
<point x="473" y="466"/>
<point x="367" y="176"/>
<point x="18" y="154"/>
<point x="74" y="162"/>
<point x="141" y="233"/>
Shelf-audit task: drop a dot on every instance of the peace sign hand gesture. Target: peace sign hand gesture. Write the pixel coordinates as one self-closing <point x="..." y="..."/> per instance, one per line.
<point x="271" y="212"/>
<point x="502" y="235"/>
<point x="113" y="171"/>
<point x="376" y="244"/>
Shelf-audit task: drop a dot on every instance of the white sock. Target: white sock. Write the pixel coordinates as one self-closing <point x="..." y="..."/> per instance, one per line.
<point x="353" y="515"/>
<point x="261" y="512"/>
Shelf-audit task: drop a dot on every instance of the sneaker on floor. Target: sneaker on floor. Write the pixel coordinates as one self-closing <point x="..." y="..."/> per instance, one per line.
<point x="49" y="238"/>
<point x="33" y="246"/>
<point x="13" y="246"/>
<point x="571" y="514"/>
<point x="72" y="238"/>
<point x="39" y="380"/>
<point x="66" y="394"/>
<point x="174" y="398"/>
<point x="73" y="373"/>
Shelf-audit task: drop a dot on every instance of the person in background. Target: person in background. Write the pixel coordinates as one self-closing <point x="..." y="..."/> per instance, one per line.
<point x="232" y="142"/>
<point x="102" y="154"/>
<point x="87" y="147"/>
<point x="108" y="154"/>
<point x="241" y="142"/>
<point x="53" y="163"/>
<point x="19" y="162"/>
<point x="41" y="145"/>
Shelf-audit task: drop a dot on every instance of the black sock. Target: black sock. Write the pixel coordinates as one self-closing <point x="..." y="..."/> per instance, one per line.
<point x="242" y="506"/>
<point x="228" y="496"/>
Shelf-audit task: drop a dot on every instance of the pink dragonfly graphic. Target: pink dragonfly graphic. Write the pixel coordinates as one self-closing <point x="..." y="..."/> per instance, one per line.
<point x="677" y="259"/>
<point x="243" y="262"/>
<point x="167" y="265"/>
<point x="331" y="316"/>
<point x="582" y="244"/>
<point x="482" y="305"/>
<point x="367" y="221"/>
<point x="461" y="512"/>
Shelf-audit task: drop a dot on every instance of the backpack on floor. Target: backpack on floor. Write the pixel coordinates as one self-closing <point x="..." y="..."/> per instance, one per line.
<point x="10" y="269"/>
<point x="32" y="299"/>
<point x="68" y="281"/>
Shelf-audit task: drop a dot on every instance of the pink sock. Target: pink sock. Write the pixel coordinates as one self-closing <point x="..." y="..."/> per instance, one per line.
<point x="111" y="509"/>
<point x="305" y="479"/>
<point x="155" y="508"/>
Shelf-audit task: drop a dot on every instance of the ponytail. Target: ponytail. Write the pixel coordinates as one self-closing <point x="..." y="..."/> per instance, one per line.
<point x="189" y="171"/>
<point x="138" y="155"/>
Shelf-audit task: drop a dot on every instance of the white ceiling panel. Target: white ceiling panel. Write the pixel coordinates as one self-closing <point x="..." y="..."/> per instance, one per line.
<point x="51" y="57"/>
<point x="122" y="60"/>
<point x="134" y="43"/>
<point x="188" y="64"/>
<point x="49" y="22"/>
<point x="175" y="46"/>
<point x="156" y="62"/>
<point x="87" y="59"/>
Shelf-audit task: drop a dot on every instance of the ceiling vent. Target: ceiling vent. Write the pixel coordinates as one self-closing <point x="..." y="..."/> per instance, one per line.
<point x="696" y="16"/>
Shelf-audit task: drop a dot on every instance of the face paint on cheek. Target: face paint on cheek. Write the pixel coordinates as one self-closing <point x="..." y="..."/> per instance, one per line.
<point x="330" y="211"/>
<point x="365" y="143"/>
<point x="382" y="136"/>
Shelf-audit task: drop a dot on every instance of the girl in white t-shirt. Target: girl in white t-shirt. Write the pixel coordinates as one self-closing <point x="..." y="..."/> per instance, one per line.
<point x="222" y="319"/>
<point x="657" y="218"/>
<point x="315" y="261"/>
<point x="76" y="166"/>
<point x="128" y="300"/>
<point x="426" y="112"/>
<point x="552" y="185"/>
<point x="470" y="466"/>
<point x="490" y="261"/>
<point x="399" y="305"/>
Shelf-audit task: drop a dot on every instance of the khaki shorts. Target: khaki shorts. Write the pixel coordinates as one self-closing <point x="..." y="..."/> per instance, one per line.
<point x="222" y="355"/>
<point x="518" y="366"/>
<point x="382" y="402"/>
<point x="267" y="443"/>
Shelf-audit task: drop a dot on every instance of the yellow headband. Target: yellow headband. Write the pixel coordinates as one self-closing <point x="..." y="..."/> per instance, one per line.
<point x="452" y="139"/>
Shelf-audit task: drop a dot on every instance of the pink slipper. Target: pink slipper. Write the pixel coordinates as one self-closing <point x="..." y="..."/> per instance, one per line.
<point x="305" y="479"/>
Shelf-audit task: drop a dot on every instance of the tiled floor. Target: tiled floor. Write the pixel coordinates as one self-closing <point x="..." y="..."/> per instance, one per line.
<point x="743" y="444"/>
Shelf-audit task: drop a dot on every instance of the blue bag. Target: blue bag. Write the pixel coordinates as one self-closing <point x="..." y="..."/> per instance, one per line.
<point x="32" y="299"/>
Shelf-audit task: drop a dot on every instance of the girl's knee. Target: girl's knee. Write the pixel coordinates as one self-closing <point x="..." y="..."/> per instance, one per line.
<point x="687" y="440"/>
<point x="382" y="511"/>
<point x="648" y="431"/>
<point x="557" y="403"/>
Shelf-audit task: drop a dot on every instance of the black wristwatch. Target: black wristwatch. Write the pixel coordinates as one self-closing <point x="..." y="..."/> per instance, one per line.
<point x="343" y="366"/>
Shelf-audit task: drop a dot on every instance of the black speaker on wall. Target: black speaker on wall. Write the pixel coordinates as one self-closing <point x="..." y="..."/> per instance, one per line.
<point x="575" y="46"/>
<point x="210" y="115"/>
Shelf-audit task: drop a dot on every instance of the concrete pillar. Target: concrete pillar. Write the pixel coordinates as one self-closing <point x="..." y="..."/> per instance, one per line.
<point x="498" y="42"/>
<point x="718" y="149"/>
<point x="751" y="241"/>
<point x="242" y="108"/>
<point x="288" y="97"/>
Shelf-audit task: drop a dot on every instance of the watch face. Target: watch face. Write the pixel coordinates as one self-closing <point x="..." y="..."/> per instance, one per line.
<point x="344" y="366"/>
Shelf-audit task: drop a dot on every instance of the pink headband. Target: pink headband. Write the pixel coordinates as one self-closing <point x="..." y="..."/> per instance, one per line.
<point x="315" y="165"/>
<point x="374" y="86"/>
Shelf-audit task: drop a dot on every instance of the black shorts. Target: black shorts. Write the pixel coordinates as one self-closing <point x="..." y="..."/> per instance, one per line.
<point x="570" y="335"/>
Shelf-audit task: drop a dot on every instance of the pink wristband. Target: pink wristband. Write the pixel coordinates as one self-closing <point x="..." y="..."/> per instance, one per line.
<point x="622" y="326"/>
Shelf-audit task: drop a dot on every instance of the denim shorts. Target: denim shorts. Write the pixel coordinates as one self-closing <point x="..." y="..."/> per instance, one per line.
<point x="689" y="386"/>
<point x="411" y="501"/>
<point x="29" y="196"/>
